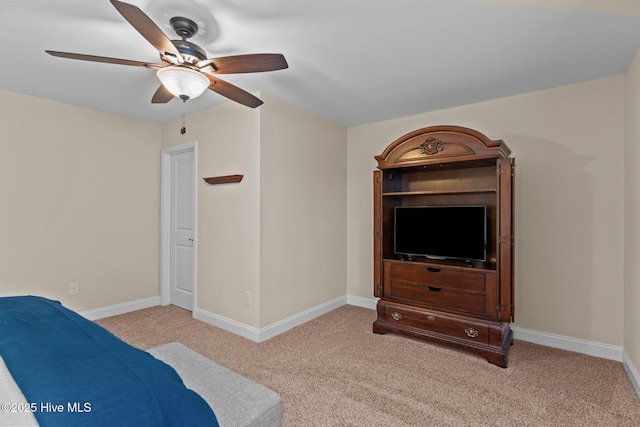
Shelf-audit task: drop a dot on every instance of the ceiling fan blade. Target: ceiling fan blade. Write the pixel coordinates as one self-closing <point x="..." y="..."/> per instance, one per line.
<point x="234" y="93"/>
<point x="252" y="63"/>
<point x="146" y="27"/>
<point x="106" y="59"/>
<point x="161" y="96"/>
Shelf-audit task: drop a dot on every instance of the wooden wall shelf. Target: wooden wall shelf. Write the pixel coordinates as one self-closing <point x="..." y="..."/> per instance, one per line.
<point x="223" y="179"/>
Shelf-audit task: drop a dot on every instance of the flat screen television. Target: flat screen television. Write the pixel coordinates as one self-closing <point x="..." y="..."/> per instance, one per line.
<point x="441" y="232"/>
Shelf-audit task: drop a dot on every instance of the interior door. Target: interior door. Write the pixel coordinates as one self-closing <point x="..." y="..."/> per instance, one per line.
<point x="182" y="258"/>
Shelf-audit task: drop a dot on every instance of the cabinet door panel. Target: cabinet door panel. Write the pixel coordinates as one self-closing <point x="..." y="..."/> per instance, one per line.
<point x="377" y="234"/>
<point x="506" y="237"/>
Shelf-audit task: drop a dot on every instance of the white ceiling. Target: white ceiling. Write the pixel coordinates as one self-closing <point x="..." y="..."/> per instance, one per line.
<point x="351" y="61"/>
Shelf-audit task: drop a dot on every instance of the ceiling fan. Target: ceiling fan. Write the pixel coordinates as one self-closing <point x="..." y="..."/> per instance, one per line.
<point x="185" y="71"/>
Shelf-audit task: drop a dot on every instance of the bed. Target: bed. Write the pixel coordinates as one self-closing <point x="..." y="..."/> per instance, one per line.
<point x="59" y="369"/>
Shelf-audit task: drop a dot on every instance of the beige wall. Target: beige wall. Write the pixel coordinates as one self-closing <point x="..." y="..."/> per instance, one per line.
<point x="569" y="146"/>
<point x="280" y="233"/>
<point x="80" y="203"/>
<point x="79" y="200"/>
<point x="632" y="212"/>
<point x="228" y="219"/>
<point x="302" y="210"/>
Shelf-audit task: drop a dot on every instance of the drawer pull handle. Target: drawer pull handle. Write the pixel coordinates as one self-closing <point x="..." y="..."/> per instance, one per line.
<point x="471" y="332"/>
<point x="396" y="315"/>
<point x="434" y="270"/>
<point x="433" y="288"/>
<point x="431" y="317"/>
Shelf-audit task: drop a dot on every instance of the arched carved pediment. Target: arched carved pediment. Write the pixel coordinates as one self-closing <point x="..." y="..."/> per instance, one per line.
<point x="440" y="144"/>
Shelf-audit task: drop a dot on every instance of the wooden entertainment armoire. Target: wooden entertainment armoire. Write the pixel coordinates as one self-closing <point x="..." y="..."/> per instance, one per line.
<point x="466" y="304"/>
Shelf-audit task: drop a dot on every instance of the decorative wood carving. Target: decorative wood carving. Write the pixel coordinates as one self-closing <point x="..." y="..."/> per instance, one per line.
<point x="440" y="144"/>
<point x="431" y="146"/>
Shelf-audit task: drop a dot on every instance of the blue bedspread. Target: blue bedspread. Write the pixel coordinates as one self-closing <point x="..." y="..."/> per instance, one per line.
<point x="75" y="373"/>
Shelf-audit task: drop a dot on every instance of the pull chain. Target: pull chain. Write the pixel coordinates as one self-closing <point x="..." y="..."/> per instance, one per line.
<point x="183" y="130"/>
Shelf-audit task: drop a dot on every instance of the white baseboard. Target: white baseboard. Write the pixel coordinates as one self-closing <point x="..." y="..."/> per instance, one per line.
<point x="227" y="324"/>
<point x="577" y="345"/>
<point x="632" y="372"/>
<point x="369" y="303"/>
<point x="262" y="334"/>
<point x="300" y="318"/>
<point x="114" y="310"/>
<point x="591" y="348"/>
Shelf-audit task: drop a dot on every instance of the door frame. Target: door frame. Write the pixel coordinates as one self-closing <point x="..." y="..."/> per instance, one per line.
<point x="165" y="220"/>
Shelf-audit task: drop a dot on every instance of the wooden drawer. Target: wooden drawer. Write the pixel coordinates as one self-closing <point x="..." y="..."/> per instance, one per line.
<point x="445" y="289"/>
<point x="438" y="323"/>
<point x="435" y="277"/>
<point x="444" y="298"/>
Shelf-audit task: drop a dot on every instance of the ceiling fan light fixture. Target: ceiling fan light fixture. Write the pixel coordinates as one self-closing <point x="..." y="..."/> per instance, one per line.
<point x="183" y="82"/>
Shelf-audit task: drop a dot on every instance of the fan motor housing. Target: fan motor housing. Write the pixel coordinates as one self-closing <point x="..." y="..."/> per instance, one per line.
<point x="186" y="28"/>
<point x="189" y="49"/>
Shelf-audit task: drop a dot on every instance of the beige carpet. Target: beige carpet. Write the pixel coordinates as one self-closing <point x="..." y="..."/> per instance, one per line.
<point x="333" y="371"/>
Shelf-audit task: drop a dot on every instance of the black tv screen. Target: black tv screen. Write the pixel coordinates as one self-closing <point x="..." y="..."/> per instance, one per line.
<point x="441" y="232"/>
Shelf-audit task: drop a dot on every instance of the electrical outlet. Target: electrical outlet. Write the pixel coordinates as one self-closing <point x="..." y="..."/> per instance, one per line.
<point x="73" y="289"/>
<point x="247" y="298"/>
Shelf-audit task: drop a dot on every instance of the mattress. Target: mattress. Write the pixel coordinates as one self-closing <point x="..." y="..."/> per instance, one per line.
<point x="15" y="412"/>
<point x="44" y="345"/>
<point x="236" y="400"/>
<point x="74" y="372"/>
